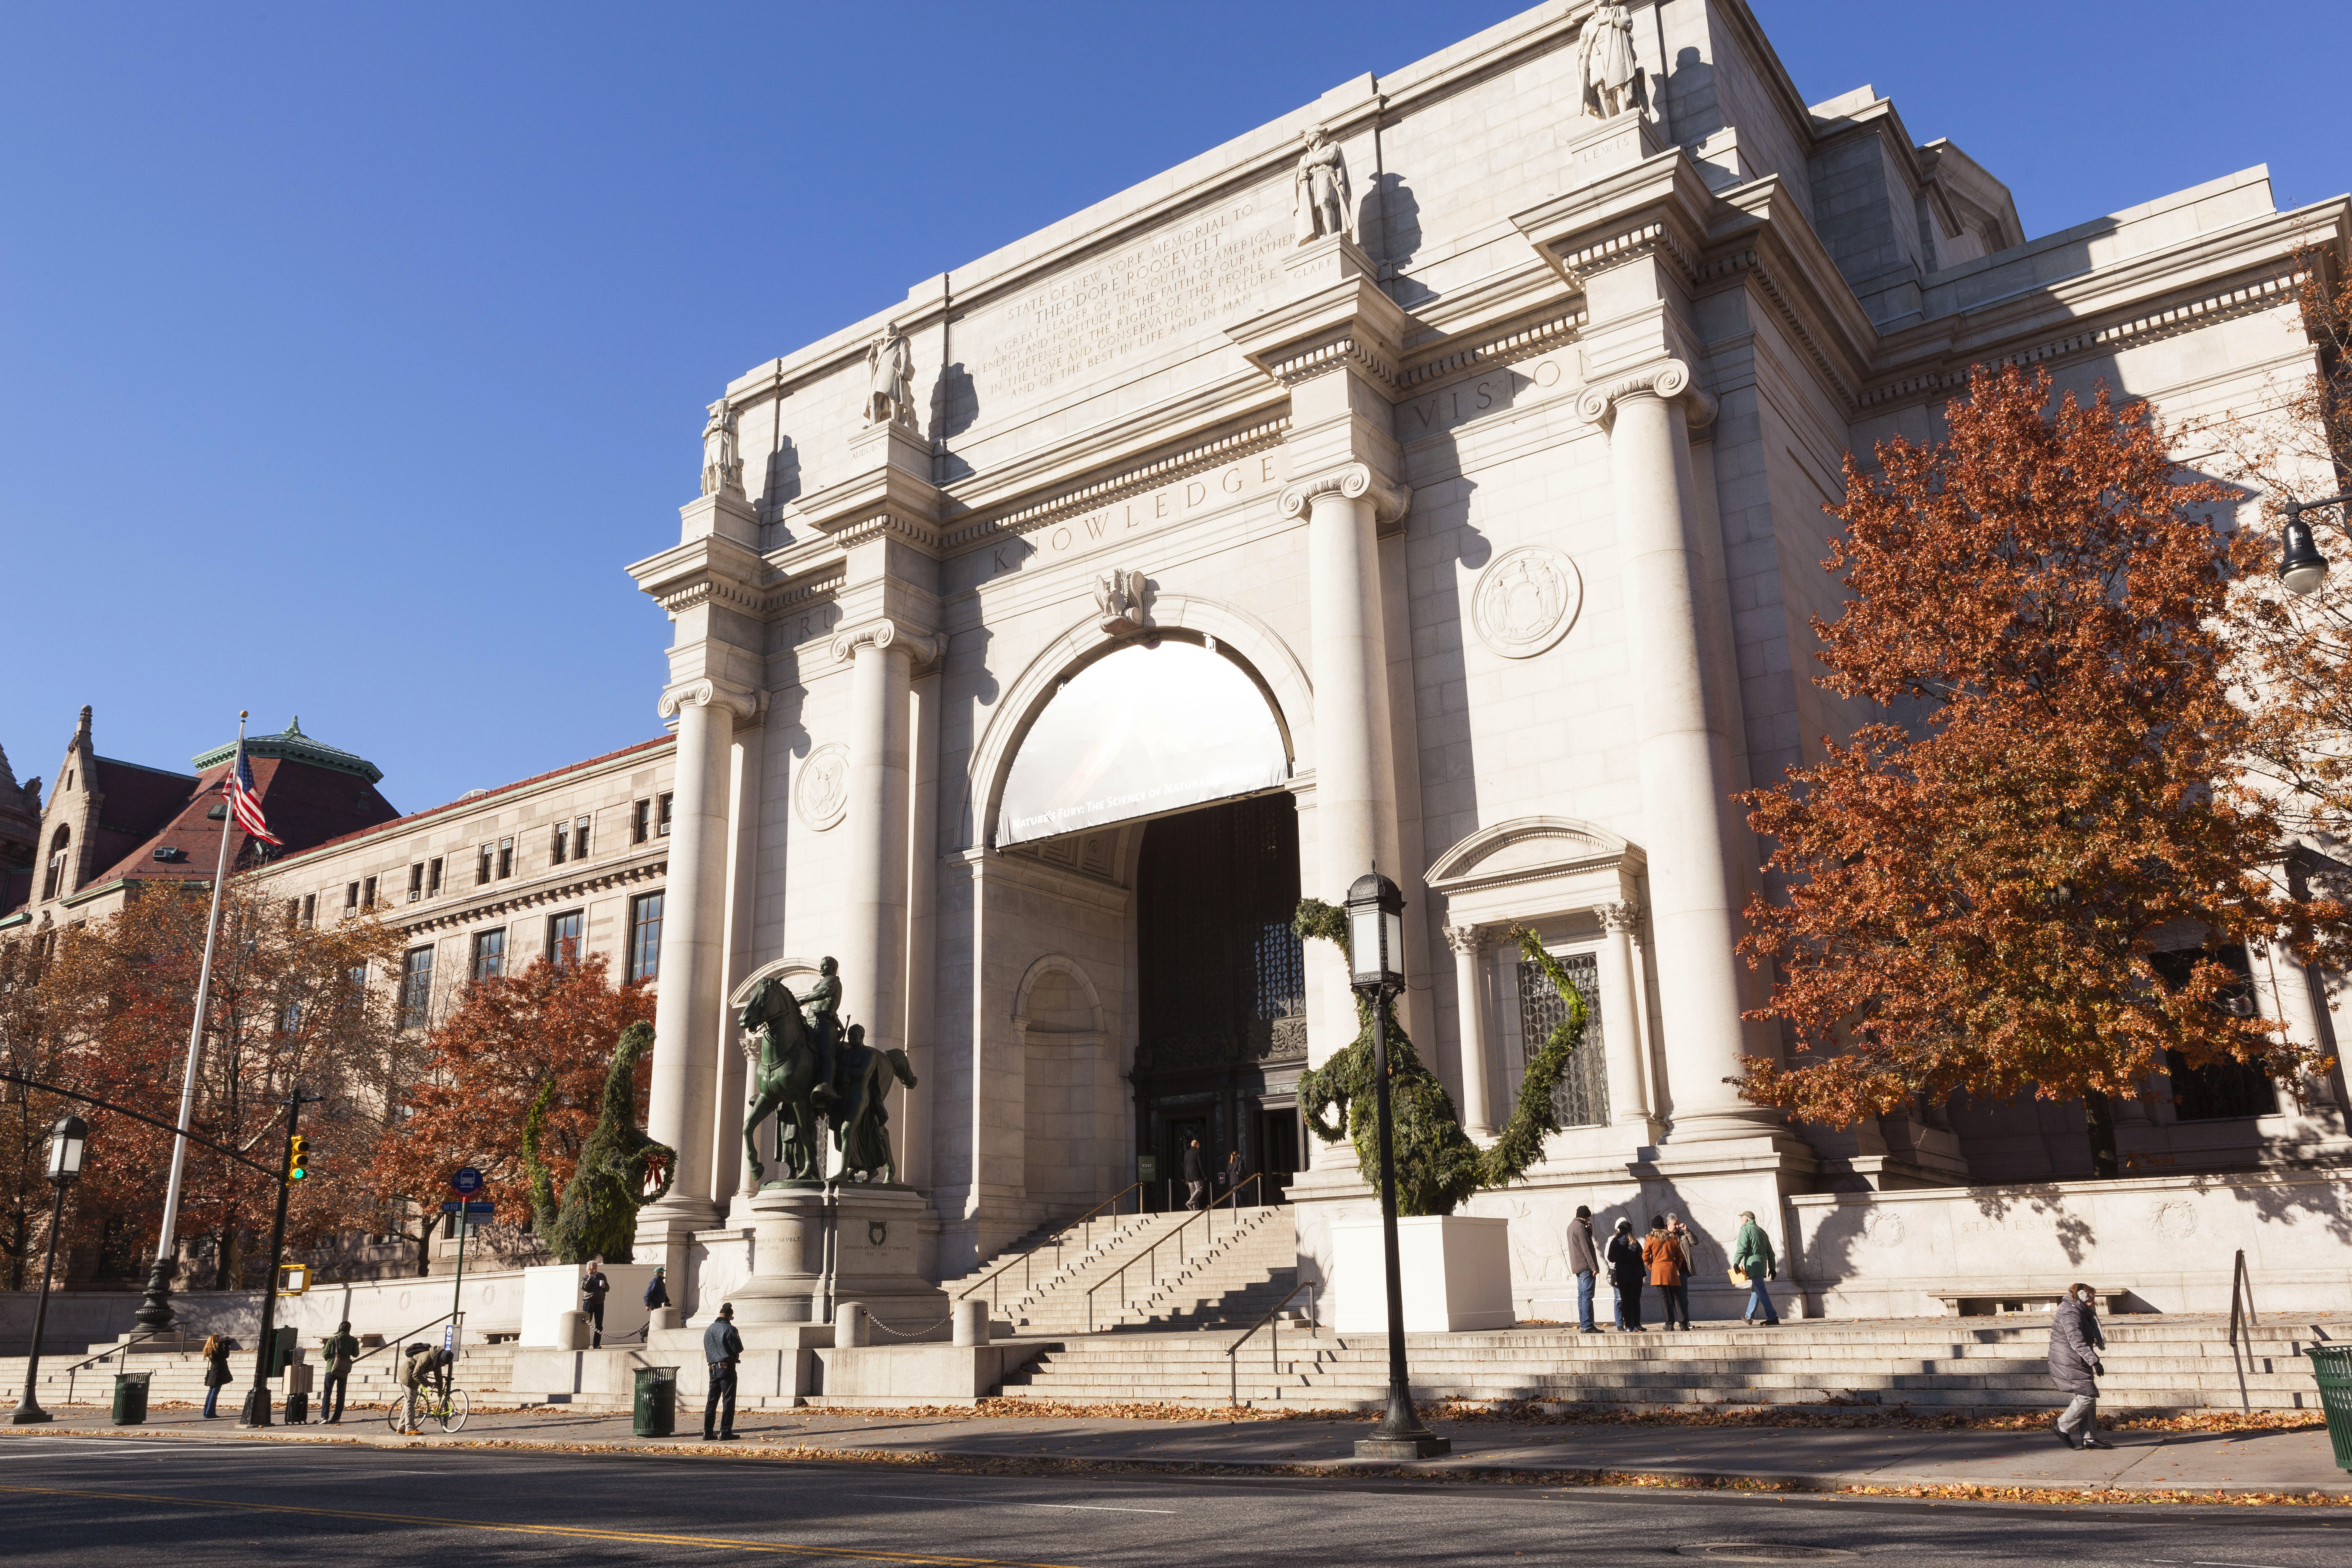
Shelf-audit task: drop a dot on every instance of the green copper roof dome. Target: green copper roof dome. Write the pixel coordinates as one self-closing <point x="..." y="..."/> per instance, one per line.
<point x="294" y="746"/>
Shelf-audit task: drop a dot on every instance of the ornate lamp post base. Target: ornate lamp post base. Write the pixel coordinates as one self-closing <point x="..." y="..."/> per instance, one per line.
<point x="28" y="1413"/>
<point x="1427" y="1446"/>
<point x="154" y="1313"/>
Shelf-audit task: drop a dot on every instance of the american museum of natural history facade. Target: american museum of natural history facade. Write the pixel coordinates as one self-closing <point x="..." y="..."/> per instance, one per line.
<point x="1431" y="479"/>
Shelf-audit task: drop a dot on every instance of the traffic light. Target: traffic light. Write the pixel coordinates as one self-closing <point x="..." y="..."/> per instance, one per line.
<point x="298" y="1159"/>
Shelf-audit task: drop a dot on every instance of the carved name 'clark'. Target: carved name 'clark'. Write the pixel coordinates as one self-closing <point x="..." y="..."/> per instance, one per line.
<point x="890" y="379"/>
<point x="1320" y="203"/>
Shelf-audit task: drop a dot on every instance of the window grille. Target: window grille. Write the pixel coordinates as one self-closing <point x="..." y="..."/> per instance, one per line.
<point x="1581" y="1098"/>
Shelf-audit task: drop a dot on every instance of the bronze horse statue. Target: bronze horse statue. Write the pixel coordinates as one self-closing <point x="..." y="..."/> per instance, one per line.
<point x="782" y="1081"/>
<point x="861" y="1125"/>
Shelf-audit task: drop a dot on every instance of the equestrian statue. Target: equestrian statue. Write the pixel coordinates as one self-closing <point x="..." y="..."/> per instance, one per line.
<point x="806" y="1070"/>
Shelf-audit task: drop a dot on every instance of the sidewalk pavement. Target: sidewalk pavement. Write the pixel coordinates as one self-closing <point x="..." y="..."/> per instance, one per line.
<point x="2214" y="1463"/>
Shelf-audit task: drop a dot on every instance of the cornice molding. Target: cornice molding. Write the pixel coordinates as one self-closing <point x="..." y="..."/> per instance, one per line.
<point x="1503" y="348"/>
<point x="531" y="897"/>
<point x="1355" y="482"/>
<point x="882" y="632"/>
<point x="1338" y="354"/>
<point x="1130" y="481"/>
<point x="705" y="692"/>
<point x="1668" y="379"/>
<point x="1650" y="239"/>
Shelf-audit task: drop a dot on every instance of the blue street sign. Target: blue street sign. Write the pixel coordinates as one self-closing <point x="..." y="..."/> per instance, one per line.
<point x="477" y="1209"/>
<point x="467" y="1182"/>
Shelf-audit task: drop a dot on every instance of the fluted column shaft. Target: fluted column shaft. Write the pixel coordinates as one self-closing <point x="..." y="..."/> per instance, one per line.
<point x="679" y="1110"/>
<point x="1470" y="1016"/>
<point x="1684" y="760"/>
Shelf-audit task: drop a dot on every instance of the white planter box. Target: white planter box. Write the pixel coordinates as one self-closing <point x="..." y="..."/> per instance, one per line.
<point x="1456" y="1269"/>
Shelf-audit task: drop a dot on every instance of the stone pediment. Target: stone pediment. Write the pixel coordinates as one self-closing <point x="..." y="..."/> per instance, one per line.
<point x="1529" y="848"/>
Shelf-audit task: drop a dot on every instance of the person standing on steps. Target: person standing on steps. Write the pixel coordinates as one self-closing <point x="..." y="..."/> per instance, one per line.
<point x="338" y="1352"/>
<point x="657" y="1289"/>
<point x="1196" y="1176"/>
<point x="2075" y="1342"/>
<point x="1662" y="1255"/>
<point x="594" y="1287"/>
<point x="1584" y="1262"/>
<point x="1625" y="1269"/>
<point x="722" y="1347"/>
<point x="1233" y="1171"/>
<point x="216" y="1372"/>
<point x="1752" y="1256"/>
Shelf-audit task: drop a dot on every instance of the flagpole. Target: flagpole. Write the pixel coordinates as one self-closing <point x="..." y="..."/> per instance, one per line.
<point x="154" y="1312"/>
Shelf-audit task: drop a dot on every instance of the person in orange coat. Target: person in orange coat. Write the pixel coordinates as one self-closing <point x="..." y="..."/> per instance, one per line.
<point x="1667" y="1256"/>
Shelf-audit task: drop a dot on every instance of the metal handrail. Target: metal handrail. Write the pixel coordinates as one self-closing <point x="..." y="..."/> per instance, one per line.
<point x="2241" y="1284"/>
<point x="1232" y="1362"/>
<point x="1055" y="1242"/>
<point x="399" y="1338"/>
<point x="1208" y="1213"/>
<point x="111" y="1352"/>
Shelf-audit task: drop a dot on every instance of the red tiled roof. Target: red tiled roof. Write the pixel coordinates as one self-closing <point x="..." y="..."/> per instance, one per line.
<point x="306" y="806"/>
<point x="469" y="802"/>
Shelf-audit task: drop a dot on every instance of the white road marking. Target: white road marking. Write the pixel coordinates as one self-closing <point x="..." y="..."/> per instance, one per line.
<point x="1002" y="1502"/>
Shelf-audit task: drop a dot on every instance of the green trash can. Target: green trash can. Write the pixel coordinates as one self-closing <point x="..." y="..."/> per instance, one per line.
<point x="131" y="1398"/>
<point x="657" y="1408"/>
<point x="2331" y="1365"/>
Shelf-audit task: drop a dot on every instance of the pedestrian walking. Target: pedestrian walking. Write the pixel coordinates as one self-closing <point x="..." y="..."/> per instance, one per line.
<point x="1196" y="1177"/>
<point x="722" y="1347"/>
<point x="1625" y="1275"/>
<point x="594" y="1287"/>
<point x="1584" y="1262"/>
<point x="1752" y="1256"/>
<point x="657" y="1289"/>
<point x="1662" y="1256"/>
<point x="338" y="1353"/>
<point x="2075" y="1342"/>
<point x="216" y="1373"/>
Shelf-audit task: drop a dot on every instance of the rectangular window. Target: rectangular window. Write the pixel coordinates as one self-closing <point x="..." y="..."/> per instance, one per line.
<point x="293" y="911"/>
<point x="415" y="987"/>
<point x="580" y="839"/>
<point x="433" y="877"/>
<point x="416" y="881"/>
<point x="367" y="895"/>
<point x="641" y="821"/>
<point x="555" y="856"/>
<point x="351" y="898"/>
<point x="506" y="858"/>
<point x="645" y="936"/>
<point x="1581" y="1096"/>
<point x="310" y="908"/>
<point x="482" y="871"/>
<point x="489" y="953"/>
<point x="661" y="825"/>
<point x="563" y="938"/>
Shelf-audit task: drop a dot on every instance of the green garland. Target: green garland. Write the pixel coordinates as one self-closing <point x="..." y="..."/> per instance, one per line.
<point x="1438" y="1166"/>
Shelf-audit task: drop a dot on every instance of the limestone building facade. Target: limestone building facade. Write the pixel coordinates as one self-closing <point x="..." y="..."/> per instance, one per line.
<point x="1431" y="479"/>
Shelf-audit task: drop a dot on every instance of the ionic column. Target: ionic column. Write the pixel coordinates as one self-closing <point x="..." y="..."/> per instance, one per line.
<point x="680" y="1110"/>
<point x="1684" y="760"/>
<point x="1470" y="1014"/>
<point x="1621" y="1022"/>
<point x="872" y="946"/>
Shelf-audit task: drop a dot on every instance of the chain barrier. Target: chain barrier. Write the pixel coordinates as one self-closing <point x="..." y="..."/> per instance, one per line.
<point x="912" y="1334"/>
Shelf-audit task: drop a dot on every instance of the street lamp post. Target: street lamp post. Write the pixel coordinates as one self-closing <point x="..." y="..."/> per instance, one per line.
<point x="1376" y="971"/>
<point x="2301" y="568"/>
<point x="67" y="1140"/>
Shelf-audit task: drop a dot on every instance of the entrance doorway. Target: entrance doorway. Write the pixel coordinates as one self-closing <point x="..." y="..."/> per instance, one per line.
<point x="1221" y="975"/>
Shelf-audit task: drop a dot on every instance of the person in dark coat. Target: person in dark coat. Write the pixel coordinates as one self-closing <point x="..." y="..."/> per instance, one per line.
<point x="338" y="1352"/>
<point x="722" y="1347"/>
<point x="216" y="1373"/>
<point x="594" y="1287"/>
<point x="657" y="1289"/>
<point x="2075" y="1346"/>
<point x="1196" y="1176"/>
<point x="1584" y="1262"/>
<point x="1625" y="1275"/>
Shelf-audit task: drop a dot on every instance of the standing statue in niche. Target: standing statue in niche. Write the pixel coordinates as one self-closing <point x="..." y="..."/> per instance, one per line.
<point x="722" y="470"/>
<point x="1604" y="59"/>
<point x="1320" y="203"/>
<point x="890" y="379"/>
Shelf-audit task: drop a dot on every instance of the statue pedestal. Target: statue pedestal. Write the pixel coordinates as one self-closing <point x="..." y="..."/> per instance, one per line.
<point x="865" y="1238"/>
<point x="1591" y="148"/>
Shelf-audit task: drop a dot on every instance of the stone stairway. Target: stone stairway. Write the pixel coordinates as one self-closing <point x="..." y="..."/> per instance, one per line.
<point x="1181" y="1272"/>
<point x="485" y="1372"/>
<point x="1926" y="1363"/>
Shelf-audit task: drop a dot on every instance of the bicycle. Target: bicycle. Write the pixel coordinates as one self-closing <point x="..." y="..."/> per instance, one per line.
<point x="412" y="1408"/>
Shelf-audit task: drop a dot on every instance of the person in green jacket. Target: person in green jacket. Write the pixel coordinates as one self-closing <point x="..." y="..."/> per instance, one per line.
<point x="1752" y="1256"/>
<point x="337" y="1353"/>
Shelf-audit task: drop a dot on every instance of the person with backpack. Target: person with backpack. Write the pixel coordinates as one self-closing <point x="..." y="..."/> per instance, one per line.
<point x="338" y="1351"/>
<point x="1752" y="1256"/>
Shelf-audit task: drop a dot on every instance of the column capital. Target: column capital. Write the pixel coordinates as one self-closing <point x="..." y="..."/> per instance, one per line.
<point x="1468" y="941"/>
<point x="1668" y="379"/>
<point x="1354" y="482"/>
<point x="1621" y="918"/>
<point x="705" y="692"/>
<point x="882" y="632"/>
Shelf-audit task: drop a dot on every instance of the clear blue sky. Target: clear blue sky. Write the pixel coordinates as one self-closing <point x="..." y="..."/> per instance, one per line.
<point x="347" y="353"/>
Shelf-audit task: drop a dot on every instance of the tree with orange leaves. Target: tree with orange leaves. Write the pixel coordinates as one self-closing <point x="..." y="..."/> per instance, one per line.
<point x="1972" y="893"/>
<point x="508" y="1038"/>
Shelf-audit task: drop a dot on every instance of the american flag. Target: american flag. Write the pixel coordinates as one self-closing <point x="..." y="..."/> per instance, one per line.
<point x="243" y="802"/>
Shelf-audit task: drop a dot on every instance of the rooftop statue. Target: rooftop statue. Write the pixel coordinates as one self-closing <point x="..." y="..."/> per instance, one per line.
<point x="890" y="379"/>
<point x="722" y="470"/>
<point x="1604" y="58"/>
<point x="1319" y="202"/>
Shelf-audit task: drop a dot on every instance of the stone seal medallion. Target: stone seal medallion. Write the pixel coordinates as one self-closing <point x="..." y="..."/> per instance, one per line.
<point x="822" y="794"/>
<point x="1526" y="600"/>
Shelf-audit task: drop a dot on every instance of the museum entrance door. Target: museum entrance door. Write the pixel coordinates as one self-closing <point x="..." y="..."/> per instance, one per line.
<point x="1222" y="1034"/>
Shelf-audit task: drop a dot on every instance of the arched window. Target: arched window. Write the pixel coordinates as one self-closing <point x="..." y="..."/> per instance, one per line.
<point x="59" y="880"/>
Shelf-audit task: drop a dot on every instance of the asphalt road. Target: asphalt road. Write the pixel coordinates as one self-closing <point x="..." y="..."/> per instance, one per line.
<point x="83" y="1500"/>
